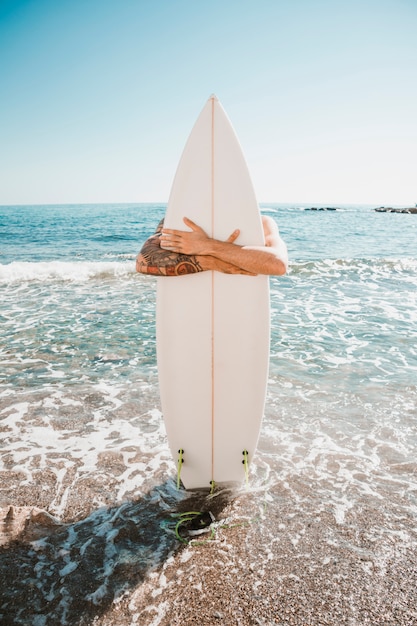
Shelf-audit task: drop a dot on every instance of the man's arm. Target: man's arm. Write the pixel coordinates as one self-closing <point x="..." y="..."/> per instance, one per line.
<point x="154" y="260"/>
<point x="272" y="258"/>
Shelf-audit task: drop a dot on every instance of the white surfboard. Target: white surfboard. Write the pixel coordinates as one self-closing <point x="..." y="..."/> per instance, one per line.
<point x="213" y="328"/>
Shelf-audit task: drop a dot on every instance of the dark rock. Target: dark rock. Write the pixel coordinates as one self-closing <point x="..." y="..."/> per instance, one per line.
<point x="383" y="209"/>
<point x="326" y="208"/>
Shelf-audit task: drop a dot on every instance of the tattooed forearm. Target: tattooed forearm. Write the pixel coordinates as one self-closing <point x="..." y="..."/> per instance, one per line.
<point x="152" y="259"/>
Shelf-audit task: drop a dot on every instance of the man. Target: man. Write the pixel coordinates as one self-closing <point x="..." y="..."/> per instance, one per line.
<point x="175" y="252"/>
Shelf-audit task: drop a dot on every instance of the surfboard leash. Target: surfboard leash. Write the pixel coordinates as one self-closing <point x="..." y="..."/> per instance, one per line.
<point x="192" y="523"/>
<point x="189" y="525"/>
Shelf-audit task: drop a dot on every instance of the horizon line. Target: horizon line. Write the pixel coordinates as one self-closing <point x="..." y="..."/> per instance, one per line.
<point x="321" y="204"/>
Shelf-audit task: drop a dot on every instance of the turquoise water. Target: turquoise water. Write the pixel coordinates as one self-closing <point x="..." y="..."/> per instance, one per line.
<point x="344" y="320"/>
<point x="78" y="376"/>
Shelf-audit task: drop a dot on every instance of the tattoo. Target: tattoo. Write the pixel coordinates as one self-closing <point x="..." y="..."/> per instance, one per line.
<point x="158" y="262"/>
<point x="160" y="227"/>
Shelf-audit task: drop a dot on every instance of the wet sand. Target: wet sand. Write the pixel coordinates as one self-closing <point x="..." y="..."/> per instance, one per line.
<point x="253" y="574"/>
<point x="262" y="562"/>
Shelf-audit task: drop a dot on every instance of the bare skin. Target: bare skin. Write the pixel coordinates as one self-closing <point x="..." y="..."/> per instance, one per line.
<point x="175" y="252"/>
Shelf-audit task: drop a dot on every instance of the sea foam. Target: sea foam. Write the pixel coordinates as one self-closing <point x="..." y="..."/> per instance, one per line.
<point x="76" y="271"/>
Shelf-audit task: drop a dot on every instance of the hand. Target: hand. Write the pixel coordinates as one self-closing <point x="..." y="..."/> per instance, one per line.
<point x="194" y="242"/>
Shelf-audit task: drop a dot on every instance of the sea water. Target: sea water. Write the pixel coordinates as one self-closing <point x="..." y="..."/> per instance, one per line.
<point x="79" y="400"/>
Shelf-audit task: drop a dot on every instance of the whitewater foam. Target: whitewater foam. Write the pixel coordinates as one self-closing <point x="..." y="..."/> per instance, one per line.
<point x="73" y="271"/>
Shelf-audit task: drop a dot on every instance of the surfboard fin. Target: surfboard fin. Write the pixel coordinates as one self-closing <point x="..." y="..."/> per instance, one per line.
<point x="246" y="464"/>
<point x="179" y="466"/>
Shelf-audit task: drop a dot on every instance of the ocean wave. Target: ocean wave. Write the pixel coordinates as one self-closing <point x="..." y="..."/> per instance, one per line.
<point x="338" y="266"/>
<point x="73" y="271"/>
<point x="127" y="255"/>
<point x="81" y="271"/>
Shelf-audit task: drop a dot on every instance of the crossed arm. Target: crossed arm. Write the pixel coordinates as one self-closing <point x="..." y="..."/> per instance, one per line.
<point x="175" y="252"/>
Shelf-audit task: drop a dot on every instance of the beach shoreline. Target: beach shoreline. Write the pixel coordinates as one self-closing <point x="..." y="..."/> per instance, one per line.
<point x="326" y="532"/>
<point x="263" y="562"/>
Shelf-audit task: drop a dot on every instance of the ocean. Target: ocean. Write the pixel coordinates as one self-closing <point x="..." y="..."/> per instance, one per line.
<point x="88" y="487"/>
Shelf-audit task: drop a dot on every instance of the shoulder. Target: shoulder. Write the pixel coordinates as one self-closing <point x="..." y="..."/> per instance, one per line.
<point x="271" y="231"/>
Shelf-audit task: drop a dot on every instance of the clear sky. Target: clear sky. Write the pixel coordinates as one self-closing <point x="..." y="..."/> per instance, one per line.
<point x="97" y="97"/>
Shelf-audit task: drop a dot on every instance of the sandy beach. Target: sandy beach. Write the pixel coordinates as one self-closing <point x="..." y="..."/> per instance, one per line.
<point x="260" y="563"/>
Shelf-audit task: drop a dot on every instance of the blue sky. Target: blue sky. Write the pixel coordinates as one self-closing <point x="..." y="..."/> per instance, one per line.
<point x="98" y="96"/>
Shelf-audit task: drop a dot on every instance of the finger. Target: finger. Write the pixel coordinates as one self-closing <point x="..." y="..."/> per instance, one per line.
<point x="169" y="246"/>
<point x="235" y="234"/>
<point x="170" y="238"/>
<point x="192" y="225"/>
